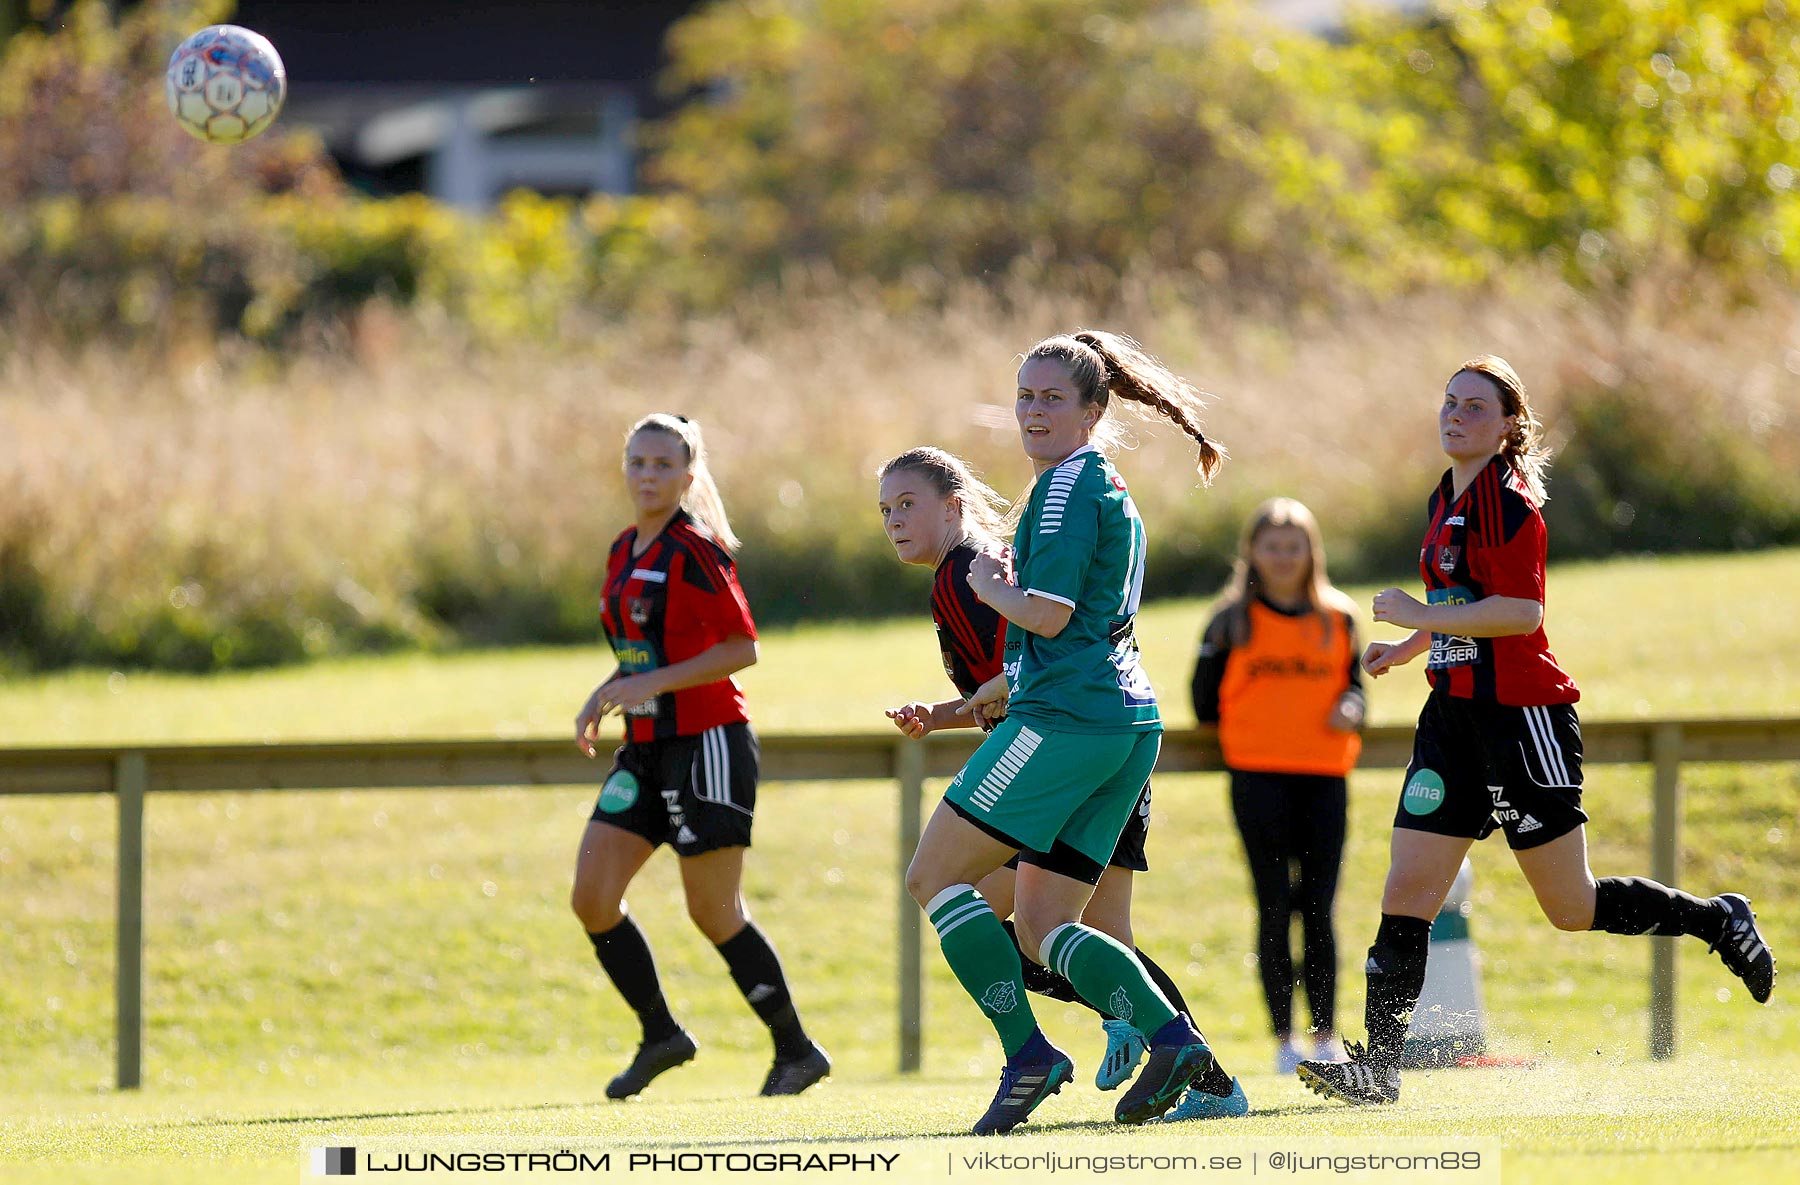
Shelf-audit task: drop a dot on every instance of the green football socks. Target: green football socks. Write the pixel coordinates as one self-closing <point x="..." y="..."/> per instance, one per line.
<point x="1107" y="975"/>
<point x="985" y="961"/>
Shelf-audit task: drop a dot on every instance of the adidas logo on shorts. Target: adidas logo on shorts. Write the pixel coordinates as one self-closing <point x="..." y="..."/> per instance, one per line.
<point x="1529" y="824"/>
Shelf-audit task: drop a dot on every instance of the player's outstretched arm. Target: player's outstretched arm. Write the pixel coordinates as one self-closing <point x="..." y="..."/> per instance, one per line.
<point x="1381" y="657"/>
<point x="1490" y="617"/>
<point x="918" y="719"/>
<point x="987" y="707"/>
<point x="587" y="721"/>
<point x="1040" y="615"/>
<point x="718" y="661"/>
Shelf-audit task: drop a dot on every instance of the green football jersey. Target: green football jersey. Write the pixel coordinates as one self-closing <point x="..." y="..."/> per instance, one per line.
<point x="1081" y="543"/>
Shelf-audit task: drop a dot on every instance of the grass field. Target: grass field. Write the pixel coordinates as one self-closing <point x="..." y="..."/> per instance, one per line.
<point x="354" y="967"/>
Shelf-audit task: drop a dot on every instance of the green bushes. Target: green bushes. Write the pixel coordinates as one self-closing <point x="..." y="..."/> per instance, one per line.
<point x="913" y="144"/>
<point x="422" y="490"/>
<point x="247" y="417"/>
<point x="1614" y="138"/>
<point x="1647" y="473"/>
<point x="147" y="269"/>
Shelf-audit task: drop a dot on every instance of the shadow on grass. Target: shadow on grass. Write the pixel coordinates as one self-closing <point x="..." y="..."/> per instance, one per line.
<point x="341" y="1117"/>
<point x="1242" y="1126"/>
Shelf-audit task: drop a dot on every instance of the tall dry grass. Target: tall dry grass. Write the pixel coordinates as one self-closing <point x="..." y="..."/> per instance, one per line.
<point x="398" y="486"/>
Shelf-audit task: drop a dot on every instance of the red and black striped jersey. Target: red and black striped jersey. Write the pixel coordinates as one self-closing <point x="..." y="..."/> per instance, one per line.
<point x="676" y="599"/>
<point x="1490" y="542"/>
<point x="970" y="632"/>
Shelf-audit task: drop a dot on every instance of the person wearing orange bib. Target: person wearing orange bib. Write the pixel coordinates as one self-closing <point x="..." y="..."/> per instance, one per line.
<point x="1278" y="676"/>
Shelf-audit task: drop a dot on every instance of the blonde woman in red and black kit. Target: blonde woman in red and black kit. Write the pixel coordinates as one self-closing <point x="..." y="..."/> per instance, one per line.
<point x="1498" y="746"/>
<point x="686" y="774"/>
<point x="1278" y="677"/>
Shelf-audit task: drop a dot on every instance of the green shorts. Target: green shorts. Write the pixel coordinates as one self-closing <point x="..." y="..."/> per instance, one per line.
<point x="1036" y="788"/>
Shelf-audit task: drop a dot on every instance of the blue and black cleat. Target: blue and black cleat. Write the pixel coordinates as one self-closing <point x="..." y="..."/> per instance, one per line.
<point x="1022" y="1088"/>
<point x="1168" y="1072"/>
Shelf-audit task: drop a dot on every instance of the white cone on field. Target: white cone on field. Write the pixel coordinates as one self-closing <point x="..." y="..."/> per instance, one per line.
<point x="1449" y="1022"/>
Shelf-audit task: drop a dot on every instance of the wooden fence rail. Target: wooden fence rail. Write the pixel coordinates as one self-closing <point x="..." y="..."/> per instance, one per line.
<point x="132" y="773"/>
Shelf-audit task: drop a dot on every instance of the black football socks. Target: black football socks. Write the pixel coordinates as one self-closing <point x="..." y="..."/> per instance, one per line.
<point x="1396" y="972"/>
<point x="625" y="956"/>
<point x="1634" y="905"/>
<point x="756" y="970"/>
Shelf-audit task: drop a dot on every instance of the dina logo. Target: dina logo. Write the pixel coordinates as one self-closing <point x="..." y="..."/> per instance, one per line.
<point x="334" y="1162"/>
<point x="620" y="792"/>
<point x="1424" y="793"/>
<point x="1120" y="1004"/>
<point x="1001" y="997"/>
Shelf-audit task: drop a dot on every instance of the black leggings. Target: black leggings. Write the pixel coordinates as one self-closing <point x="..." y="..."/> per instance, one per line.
<point x="1294" y="819"/>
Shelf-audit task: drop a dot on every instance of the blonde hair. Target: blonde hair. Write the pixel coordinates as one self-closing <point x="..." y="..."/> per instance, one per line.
<point x="1245" y="584"/>
<point x="1523" y="446"/>
<point x="952" y="477"/>
<point x="1103" y="365"/>
<point x="702" y="496"/>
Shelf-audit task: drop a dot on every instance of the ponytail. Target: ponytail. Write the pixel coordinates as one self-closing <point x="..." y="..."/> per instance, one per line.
<point x="1108" y="364"/>
<point x="702" y="497"/>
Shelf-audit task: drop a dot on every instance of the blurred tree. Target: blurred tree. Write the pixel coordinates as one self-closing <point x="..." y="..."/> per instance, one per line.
<point x="82" y="116"/>
<point x="962" y="136"/>
<point x="1617" y="137"/>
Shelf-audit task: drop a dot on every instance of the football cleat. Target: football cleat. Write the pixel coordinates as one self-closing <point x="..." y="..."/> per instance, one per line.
<point x="1741" y="948"/>
<point x="1165" y="1076"/>
<point x="1361" y="1079"/>
<point x="796" y="1074"/>
<point x="1022" y="1088"/>
<point x="653" y="1058"/>
<point x="1197" y="1104"/>
<point x="1124" y="1047"/>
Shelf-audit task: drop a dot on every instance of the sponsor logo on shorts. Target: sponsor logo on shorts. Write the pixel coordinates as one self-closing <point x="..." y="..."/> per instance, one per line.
<point x="1424" y="793"/>
<point x="1001" y="997"/>
<point x="1528" y="824"/>
<point x="619" y="793"/>
<point x="1504" y="811"/>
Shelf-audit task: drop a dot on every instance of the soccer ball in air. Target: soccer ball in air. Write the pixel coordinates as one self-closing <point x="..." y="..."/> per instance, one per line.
<point x="225" y="84"/>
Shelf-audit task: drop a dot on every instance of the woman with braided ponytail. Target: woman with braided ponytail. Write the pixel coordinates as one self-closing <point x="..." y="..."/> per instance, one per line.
<point x="1077" y="734"/>
<point x="1498" y="746"/>
<point x="938" y="514"/>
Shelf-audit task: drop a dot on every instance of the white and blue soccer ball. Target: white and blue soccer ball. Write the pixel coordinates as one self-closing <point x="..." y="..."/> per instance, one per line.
<point x="225" y="84"/>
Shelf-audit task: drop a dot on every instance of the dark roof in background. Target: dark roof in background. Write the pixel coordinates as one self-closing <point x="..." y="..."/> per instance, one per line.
<point x="466" y="41"/>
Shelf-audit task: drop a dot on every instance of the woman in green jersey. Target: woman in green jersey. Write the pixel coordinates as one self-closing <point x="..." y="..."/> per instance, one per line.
<point x="1059" y="775"/>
